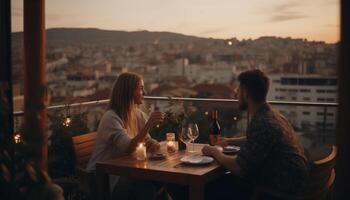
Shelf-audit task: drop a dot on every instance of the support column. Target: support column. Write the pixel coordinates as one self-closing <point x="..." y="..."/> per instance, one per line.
<point x="342" y="181"/>
<point x="35" y="81"/>
<point x="6" y="104"/>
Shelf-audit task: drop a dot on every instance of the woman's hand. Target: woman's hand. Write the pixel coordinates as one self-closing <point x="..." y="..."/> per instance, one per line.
<point x="155" y="119"/>
<point x="152" y="145"/>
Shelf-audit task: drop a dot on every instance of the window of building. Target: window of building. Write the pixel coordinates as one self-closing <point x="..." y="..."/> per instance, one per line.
<point x="331" y="91"/>
<point x="305" y="90"/>
<point x="320" y="91"/>
<point x="306" y="113"/>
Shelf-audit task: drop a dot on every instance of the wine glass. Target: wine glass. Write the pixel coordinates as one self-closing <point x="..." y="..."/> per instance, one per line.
<point x="184" y="135"/>
<point x="193" y="133"/>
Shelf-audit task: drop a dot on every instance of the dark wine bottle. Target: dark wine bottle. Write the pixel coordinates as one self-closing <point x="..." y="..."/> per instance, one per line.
<point x="214" y="129"/>
<point x="182" y="145"/>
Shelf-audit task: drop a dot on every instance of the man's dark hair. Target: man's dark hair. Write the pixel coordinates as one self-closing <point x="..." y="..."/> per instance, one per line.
<point x="256" y="84"/>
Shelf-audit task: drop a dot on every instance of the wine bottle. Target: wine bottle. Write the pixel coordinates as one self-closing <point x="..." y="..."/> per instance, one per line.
<point x="181" y="144"/>
<point x="214" y="129"/>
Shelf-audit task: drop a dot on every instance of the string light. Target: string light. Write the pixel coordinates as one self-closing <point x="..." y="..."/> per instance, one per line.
<point x="17" y="138"/>
<point x="234" y="118"/>
<point x="67" y="122"/>
<point x="206" y="113"/>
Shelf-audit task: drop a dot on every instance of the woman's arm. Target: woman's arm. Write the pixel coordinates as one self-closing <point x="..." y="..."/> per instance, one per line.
<point x="155" y="119"/>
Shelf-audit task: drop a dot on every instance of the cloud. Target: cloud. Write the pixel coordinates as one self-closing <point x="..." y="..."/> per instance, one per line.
<point x="286" y="12"/>
<point x="287" y="16"/>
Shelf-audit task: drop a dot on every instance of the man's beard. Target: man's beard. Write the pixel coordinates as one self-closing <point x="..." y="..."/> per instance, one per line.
<point x="242" y="105"/>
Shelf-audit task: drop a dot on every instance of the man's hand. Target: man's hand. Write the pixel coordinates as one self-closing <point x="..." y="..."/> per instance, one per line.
<point x="211" y="150"/>
<point x="229" y="162"/>
<point x="223" y="142"/>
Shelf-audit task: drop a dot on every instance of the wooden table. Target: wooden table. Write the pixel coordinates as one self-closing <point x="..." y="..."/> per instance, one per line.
<point x="169" y="170"/>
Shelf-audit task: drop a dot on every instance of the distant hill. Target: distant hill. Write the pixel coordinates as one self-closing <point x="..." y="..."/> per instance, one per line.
<point x="63" y="36"/>
<point x="92" y="35"/>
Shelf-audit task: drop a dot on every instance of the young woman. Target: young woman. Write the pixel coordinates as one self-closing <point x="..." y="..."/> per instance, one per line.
<point x="121" y="128"/>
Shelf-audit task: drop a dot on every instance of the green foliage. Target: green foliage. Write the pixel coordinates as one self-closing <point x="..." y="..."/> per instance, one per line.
<point x="61" y="150"/>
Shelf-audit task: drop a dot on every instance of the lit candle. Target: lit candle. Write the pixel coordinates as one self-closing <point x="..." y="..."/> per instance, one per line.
<point x="170" y="137"/>
<point x="171" y="147"/>
<point x="141" y="152"/>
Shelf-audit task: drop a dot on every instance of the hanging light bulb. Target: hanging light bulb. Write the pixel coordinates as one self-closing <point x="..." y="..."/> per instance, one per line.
<point x="17" y="138"/>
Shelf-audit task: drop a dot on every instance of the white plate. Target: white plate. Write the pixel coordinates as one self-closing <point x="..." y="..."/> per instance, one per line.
<point x="197" y="159"/>
<point x="231" y="149"/>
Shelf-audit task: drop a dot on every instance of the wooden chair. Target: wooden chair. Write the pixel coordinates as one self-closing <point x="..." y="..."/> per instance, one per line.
<point x="321" y="179"/>
<point x="83" y="146"/>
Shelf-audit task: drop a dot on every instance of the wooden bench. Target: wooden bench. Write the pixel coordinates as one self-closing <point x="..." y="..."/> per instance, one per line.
<point x="321" y="179"/>
<point x="83" y="147"/>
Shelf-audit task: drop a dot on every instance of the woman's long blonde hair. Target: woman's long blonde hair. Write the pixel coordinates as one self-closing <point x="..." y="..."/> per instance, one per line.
<point x="122" y="100"/>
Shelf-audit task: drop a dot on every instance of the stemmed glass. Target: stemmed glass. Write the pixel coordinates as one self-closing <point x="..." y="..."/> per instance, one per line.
<point x="193" y="133"/>
<point x="184" y="135"/>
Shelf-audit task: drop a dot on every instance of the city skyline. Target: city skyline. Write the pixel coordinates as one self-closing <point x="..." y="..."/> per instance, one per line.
<point x="313" y="20"/>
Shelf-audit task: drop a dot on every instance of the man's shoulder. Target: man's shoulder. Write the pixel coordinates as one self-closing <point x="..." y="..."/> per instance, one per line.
<point x="270" y="121"/>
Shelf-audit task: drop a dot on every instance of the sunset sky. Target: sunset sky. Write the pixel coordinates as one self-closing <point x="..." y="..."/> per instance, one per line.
<point x="310" y="19"/>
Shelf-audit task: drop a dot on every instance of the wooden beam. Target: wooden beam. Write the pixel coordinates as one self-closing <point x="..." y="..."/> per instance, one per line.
<point x="6" y="104"/>
<point x="35" y="80"/>
<point x="342" y="183"/>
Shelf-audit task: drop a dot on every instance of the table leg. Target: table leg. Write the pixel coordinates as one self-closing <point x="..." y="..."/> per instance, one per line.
<point x="102" y="180"/>
<point x="196" y="191"/>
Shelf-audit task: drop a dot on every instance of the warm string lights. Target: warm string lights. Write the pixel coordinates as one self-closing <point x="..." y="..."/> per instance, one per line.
<point x="67" y="121"/>
<point x="17" y="138"/>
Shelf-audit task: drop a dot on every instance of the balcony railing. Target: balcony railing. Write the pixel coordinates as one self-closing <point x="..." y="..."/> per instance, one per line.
<point x="313" y="137"/>
<point x="322" y="125"/>
<point x="158" y="98"/>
